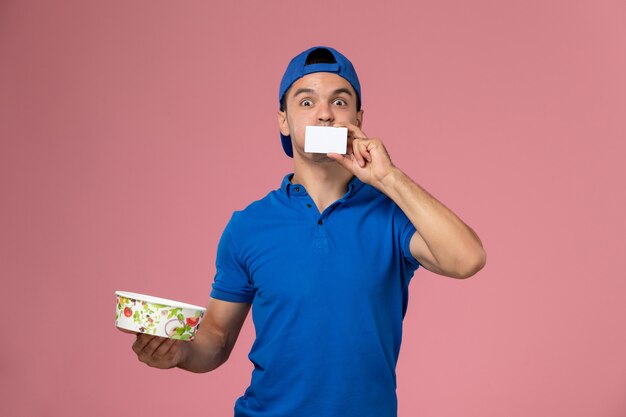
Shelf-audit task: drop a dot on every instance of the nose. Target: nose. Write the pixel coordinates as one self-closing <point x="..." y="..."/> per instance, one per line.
<point x="325" y="115"/>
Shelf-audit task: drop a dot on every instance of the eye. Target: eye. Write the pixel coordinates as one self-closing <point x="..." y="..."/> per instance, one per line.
<point x="306" y="103"/>
<point x="340" y="102"/>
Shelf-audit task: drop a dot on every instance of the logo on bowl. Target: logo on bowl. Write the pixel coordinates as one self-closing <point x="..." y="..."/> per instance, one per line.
<point x="181" y="327"/>
<point x="171" y="327"/>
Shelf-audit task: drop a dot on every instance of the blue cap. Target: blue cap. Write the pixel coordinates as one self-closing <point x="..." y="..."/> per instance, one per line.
<point x="298" y="68"/>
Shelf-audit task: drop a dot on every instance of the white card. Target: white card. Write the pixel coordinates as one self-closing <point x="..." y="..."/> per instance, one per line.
<point x="322" y="139"/>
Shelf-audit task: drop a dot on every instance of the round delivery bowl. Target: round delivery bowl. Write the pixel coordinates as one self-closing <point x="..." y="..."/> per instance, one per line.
<point x="157" y="316"/>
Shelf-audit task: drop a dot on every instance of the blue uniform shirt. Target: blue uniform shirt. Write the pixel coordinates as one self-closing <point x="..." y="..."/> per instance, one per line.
<point x="328" y="291"/>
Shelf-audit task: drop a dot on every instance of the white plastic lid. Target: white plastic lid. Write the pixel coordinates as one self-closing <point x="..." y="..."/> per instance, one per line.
<point x="157" y="300"/>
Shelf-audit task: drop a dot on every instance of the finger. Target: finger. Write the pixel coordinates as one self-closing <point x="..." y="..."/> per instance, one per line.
<point x="141" y="342"/>
<point x="365" y="151"/>
<point x="150" y="347"/>
<point x="353" y="130"/>
<point x="356" y="151"/>
<point x="163" y="350"/>
<point x="377" y="148"/>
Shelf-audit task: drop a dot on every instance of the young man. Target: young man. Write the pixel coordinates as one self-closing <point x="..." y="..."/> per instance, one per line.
<point x="325" y="261"/>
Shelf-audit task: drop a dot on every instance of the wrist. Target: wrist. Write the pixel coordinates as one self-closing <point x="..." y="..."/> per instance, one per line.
<point x="391" y="180"/>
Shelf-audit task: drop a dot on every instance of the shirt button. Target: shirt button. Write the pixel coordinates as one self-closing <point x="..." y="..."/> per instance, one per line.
<point x="320" y="222"/>
<point x="308" y="205"/>
<point x="297" y="189"/>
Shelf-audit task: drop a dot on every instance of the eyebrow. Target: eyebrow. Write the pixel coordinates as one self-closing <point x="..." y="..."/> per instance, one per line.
<point x="342" y="90"/>
<point x="311" y="91"/>
<point x="303" y="91"/>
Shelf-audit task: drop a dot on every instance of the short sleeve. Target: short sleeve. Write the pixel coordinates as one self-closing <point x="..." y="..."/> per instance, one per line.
<point x="232" y="282"/>
<point x="405" y="230"/>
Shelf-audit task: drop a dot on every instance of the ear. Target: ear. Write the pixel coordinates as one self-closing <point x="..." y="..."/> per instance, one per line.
<point x="282" y="123"/>
<point x="359" y="118"/>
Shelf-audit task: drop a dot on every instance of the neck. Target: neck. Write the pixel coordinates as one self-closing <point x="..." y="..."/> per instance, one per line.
<point x="326" y="182"/>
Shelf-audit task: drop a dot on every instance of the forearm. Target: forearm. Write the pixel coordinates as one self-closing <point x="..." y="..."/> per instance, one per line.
<point x="207" y="352"/>
<point x="455" y="248"/>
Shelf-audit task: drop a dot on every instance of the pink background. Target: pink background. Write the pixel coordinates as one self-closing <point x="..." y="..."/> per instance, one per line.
<point x="131" y="130"/>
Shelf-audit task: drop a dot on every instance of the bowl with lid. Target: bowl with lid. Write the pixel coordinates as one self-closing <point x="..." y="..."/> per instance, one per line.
<point x="157" y="316"/>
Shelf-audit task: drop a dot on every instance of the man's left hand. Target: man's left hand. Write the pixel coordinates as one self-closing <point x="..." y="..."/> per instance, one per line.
<point x="367" y="158"/>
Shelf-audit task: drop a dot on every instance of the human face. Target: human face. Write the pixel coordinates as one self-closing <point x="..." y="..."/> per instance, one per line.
<point x="318" y="99"/>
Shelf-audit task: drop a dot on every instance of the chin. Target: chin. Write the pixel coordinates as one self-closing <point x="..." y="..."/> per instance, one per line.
<point x="320" y="158"/>
<point x="314" y="157"/>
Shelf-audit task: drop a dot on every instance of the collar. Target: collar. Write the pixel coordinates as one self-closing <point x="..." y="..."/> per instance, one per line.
<point x="288" y="188"/>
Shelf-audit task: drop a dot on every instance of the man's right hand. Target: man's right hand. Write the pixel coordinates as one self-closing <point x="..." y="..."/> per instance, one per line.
<point x="214" y="340"/>
<point x="160" y="352"/>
